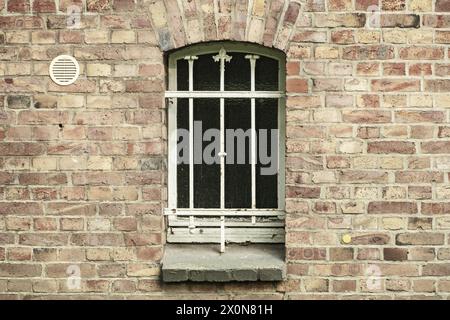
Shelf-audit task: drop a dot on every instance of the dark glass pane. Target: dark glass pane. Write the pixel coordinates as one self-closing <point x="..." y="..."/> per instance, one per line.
<point x="206" y="73"/>
<point x="267" y="156"/>
<point x="237" y="141"/>
<point x="182" y="75"/>
<point x="183" y="154"/>
<point x="266" y="74"/>
<point x="237" y="72"/>
<point x="206" y="176"/>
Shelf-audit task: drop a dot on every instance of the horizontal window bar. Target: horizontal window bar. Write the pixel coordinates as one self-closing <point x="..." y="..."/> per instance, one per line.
<point x="233" y="235"/>
<point x="175" y="221"/>
<point x="224" y="94"/>
<point x="226" y="212"/>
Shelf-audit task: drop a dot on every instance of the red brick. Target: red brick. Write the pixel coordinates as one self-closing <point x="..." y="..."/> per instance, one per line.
<point x="437" y="85"/>
<point x="436" y="21"/>
<point x="363" y="176"/>
<point x="384" y="207"/>
<point x="43" y="239"/>
<point x="442" y="6"/>
<point x="149" y="253"/>
<point x="19" y="254"/>
<point x="44" y="6"/>
<point x="98" y="5"/>
<point x="365" y="5"/>
<point x="423" y="238"/>
<point x="72" y="208"/>
<point x="395" y="85"/>
<point x="368" y="52"/>
<point x="123" y="5"/>
<point x="418" y="177"/>
<point x="436" y="208"/>
<point x="18" y="6"/>
<point x="395" y="254"/>
<point x="45" y="224"/>
<point x="436" y="269"/>
<point x="436" y="147"/>
<point x="394" y="69"/>
<point x="343" y="37"/>
<point x="369" y="239"/>
<point x="42" y="178"/>
<point x="21" y="149"/>
<point x="70" y="36"/>
<point x="422" y="53"/>
<point x="297" y="85"/>
<point x="125" y="224"/>
<point x="420" y="69"/>
<point x="302" y="192"/>
<point x="366" y="116"/>
<point x="400" y="21"/>
<point x="142" y="239"/>
<point x="144" y="86"/>
<point x="21" y="208"/>
<point x="19" y="270"/>
<point x="344" y="285"/>
<point x="293" y="68"/>
<point x="391" y="147"/>
<point x="97" y="239"/>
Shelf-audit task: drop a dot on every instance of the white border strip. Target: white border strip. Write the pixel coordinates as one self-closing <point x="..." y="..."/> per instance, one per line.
<point x="224" y="94"/>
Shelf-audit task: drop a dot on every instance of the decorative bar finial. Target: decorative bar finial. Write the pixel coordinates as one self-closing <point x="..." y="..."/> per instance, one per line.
<point x="222" y="56"/>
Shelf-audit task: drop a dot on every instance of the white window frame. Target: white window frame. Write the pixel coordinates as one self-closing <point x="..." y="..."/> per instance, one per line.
<point x="195" y="225"/>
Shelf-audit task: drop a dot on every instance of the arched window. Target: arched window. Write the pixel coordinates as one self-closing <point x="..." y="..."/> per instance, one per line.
<point x="226" y="144"/>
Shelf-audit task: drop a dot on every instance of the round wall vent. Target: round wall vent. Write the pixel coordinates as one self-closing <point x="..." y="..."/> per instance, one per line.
<point x="64" y="70"/>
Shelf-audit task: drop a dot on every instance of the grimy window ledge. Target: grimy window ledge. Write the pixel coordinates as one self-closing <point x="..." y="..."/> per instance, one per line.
<point x="204" y="262"/>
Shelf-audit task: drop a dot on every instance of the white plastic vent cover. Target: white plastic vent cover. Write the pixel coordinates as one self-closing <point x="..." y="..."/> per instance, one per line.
<point x="64" y="70"/>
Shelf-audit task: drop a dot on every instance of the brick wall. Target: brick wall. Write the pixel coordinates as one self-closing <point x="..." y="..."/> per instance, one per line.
<point x="83" y="171"/>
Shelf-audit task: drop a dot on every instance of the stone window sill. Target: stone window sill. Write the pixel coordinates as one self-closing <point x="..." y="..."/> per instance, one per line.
<point x="204" y="262"/>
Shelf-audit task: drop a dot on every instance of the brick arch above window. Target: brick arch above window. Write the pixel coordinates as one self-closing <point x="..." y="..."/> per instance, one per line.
<point x="181" y="23"/>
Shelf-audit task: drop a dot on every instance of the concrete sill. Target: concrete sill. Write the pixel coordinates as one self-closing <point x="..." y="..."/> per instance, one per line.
<point x="204" y="262"/>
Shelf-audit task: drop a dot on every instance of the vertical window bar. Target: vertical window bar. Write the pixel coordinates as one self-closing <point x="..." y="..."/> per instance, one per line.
<point x="191" y="60"/>
<point x="252" y="58"/>
<point x="221" y="58"/>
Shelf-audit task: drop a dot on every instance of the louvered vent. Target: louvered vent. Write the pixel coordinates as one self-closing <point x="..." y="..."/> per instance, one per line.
<point x="64" y="70"/>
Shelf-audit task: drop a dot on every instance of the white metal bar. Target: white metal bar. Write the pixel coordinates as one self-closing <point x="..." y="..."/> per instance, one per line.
<point x="222" y="153"/>
<point x="222" y="234"/>
<point x="252" y="59"/>
<point x="191" y="222"/>
<point x="190" y="60"/>
<point x="221" y="58"/>
<point x="224" y="94"/>
<point x="226" y="212"/>
<point x="234" y="235"/>
<point x="182" y="221"/>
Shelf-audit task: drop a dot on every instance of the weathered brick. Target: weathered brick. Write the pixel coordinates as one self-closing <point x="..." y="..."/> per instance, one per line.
<point x="371" y="52"/>
<point x="386" y="207"/>
<point x="423" y="238"/>
<point x="18" y="6"/>
<point x="333" y="20"/>
<point x="436" y="269"/>
<point x="435" y="147"/>
<point x="395" y="85"/>
<point x="395" y="254"/>
<point x="369" y="239"/>
<point x="44" y="6"/>
<point x="391" y="147"/>
<point x="400" y="20"/>
<point x="442" y="6"/>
